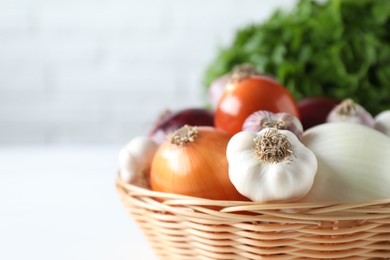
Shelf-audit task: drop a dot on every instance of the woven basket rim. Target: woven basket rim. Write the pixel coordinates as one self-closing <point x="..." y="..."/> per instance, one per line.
<point x="185" y="227"/>
<point x="172" y="199"/>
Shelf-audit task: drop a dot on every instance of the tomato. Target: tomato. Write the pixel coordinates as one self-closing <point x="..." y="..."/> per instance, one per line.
<point x="248" y="95"/>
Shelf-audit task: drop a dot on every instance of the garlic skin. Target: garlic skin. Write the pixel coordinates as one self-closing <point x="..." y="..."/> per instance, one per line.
<point x="288" y="176"/>
<point x="265" y="119"/>
<point x="349" y="111"/>
<point x="353" y="163"/>
<point x="382" y="122"/>
<point x="216" y="89"/>
<point x="135" y="161"/>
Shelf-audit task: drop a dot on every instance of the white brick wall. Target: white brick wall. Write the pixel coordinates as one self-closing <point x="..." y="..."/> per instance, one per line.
<point x="98" y="71"/>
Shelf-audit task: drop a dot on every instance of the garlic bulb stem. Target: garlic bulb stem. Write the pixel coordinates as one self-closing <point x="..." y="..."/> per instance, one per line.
<point x="346" y="109"/>
<point x="349" y="111"/>
<point x="272" y="147"/>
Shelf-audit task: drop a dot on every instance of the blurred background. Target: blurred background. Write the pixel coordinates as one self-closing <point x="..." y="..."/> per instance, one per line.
<point x="78" y="80"/>
<point x="100" y="71"/>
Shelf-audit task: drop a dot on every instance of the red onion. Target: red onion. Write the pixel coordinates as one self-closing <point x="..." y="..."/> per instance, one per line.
<point x="349" y="111"/>
<point x="314" y="110"/>
<point x="265" y="119"/>
<point x="174" y="121"/>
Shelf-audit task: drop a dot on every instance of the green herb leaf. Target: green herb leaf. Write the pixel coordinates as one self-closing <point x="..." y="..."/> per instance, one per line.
<point x="339" y="49"/>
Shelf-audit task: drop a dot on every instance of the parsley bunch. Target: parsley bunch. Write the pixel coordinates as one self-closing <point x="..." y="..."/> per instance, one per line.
<point x="339" y="49"/>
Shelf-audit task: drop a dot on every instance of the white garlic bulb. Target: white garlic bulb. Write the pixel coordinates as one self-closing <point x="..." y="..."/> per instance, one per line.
<point x="135" y="160"/>
<point x="271" y="165"/>
<point x="265" y="119"/>
<point x="349" y="111"/>
<point x="382" y="122"/>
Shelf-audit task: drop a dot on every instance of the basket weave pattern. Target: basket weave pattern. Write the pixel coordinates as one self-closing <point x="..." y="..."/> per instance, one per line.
<point x="182" y="227"/>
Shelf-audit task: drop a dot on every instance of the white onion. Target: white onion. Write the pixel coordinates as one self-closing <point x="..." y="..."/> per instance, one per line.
<point x="353" y="163"/>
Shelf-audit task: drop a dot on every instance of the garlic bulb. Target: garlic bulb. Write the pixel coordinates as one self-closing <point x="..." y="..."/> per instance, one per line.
<point x="353" y="163"/>
<point x="271" y="165"/>
<point x="349" y="111"/>
<point x="265" y="119"/>
<point x="135" y="160"/>
<point x="382" y="122"/>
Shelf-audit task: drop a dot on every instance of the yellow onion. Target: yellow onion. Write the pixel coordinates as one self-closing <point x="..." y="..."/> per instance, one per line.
<point x="193" y="162"/>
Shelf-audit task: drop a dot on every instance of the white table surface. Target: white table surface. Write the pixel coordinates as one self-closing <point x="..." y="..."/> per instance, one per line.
<point x="60" y="203"/>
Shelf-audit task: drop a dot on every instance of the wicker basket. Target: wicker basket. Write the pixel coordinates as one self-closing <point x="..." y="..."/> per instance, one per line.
<point x="182" y="227"/>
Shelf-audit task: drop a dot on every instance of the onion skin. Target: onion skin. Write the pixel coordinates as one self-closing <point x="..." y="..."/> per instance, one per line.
<point x="175" y="120"/>
<point x="198" y="168"/>
<point x="352" y="163"/>
<point x="247" y="95"/>
<point x="218" y="86"/>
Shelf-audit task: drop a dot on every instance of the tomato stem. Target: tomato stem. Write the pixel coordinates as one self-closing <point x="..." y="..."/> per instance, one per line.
<point x="241" y="72"/>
